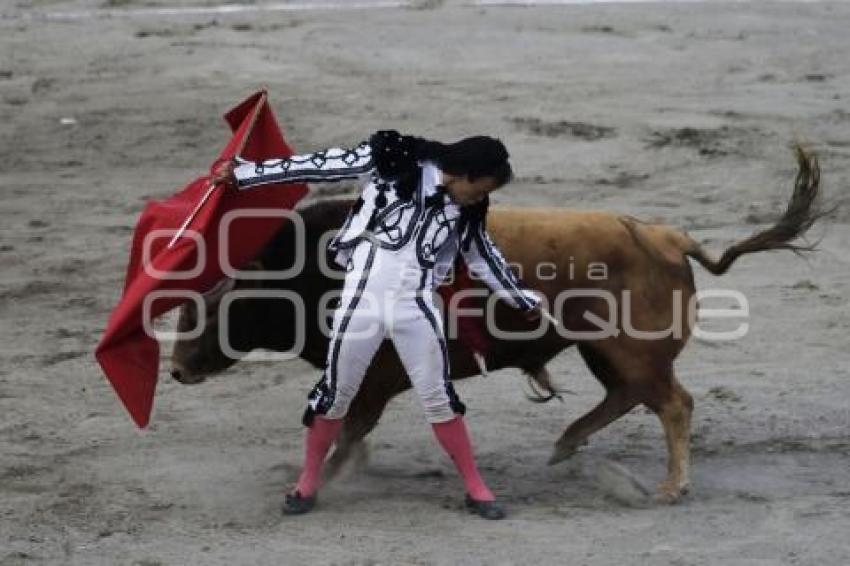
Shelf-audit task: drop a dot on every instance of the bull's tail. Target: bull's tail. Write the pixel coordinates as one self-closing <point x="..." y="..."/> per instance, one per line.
<point x="801" y="213"/>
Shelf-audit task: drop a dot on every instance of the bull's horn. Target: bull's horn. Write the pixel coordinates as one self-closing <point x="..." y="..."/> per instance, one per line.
<point x="482" y="364"/>
<point x="220" y="289"/>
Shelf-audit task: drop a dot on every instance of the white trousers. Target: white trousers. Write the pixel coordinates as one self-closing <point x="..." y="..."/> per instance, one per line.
<point x="378" y="302"/>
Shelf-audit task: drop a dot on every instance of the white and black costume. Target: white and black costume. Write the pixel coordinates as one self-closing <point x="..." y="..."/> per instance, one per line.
<point x="398" y="243"/>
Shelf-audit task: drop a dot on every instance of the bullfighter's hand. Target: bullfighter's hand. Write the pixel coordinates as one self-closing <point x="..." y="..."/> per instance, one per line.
<point x="222" y="174"/>
<point x="534" y="314"/>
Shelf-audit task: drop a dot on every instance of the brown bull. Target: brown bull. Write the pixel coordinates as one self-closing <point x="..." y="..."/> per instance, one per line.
<point x="585" y="254"/>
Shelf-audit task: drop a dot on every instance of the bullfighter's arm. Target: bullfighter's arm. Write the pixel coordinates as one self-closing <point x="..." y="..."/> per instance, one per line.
<point x="487" y="263"/>
<point x="329" y="165"/>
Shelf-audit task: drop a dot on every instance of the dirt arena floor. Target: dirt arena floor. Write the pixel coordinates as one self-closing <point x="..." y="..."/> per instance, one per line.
<point x="680" y="112"/>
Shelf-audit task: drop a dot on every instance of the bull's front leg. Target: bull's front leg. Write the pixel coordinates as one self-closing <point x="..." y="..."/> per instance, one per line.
<point x="350" y="446"/>
<point x="385" y="379"/>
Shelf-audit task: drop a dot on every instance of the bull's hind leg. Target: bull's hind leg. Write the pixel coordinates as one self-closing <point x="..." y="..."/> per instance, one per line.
<point x="619" y="400"/>
<point x="674" y="406"/>
<point x="629" y="380"/>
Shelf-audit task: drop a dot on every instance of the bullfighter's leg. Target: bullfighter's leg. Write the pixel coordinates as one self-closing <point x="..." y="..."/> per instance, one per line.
<point x="619" y="400"/>
<point x="674" y="407"/>
<point x="358" y="331"/>
<point x="418" y="335"/>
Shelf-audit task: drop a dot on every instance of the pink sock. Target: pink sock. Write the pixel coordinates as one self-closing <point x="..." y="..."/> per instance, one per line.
<point x="317" y="441"/>
<point x="454" y="439"/>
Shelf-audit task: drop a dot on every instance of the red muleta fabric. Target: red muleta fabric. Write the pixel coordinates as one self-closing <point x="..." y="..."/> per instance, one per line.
<point x="128" y="356"/>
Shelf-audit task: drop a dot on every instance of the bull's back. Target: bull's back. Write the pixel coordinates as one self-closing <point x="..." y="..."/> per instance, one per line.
<point x="557" y="235"/>
<point x="584" y="237"/>
<point x="562" y="248"/>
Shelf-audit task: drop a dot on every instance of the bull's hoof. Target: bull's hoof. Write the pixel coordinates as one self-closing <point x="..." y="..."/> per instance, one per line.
<point x="360" y="456"/>
<point x="671" y="492"/>
<point x="353" y="457"/>
<point x="296" y="504"/>
<point x="333" y="467"/>
<point x="563" y="452"/>
<point x="491" y="510"/>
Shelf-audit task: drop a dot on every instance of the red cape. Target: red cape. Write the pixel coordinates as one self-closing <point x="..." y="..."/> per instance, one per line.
<point x="127" y="354"/>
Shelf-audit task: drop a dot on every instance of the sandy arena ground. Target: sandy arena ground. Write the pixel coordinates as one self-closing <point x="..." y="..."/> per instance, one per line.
<point x="678" y="112"/>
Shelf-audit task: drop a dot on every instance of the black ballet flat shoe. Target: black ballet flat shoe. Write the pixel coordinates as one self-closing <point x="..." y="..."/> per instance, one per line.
<point x="492" y="510"/>
<point x="296" y="504"/>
